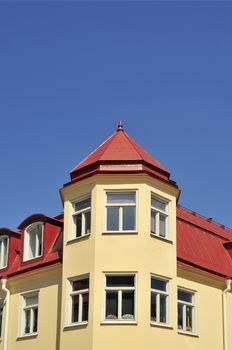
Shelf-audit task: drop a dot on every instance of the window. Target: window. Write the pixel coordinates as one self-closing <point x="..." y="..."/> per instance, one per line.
<point x="33" y="241"/>
<point x="82" y="217"/>
<point x="3" y="252"/>
<point x="159" y="300"/>
<point x="186" y="310"/>
<point x="119" y="298"/>
<point x="79" y="300"/>
<point x="1" y="314"/>
<point x="120" y="211"/>
<point x="159" y="217"/>
<point x="30" y="314"/>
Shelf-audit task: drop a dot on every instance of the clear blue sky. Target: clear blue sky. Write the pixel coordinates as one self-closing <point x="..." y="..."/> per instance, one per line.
<point x="70" y="70"/>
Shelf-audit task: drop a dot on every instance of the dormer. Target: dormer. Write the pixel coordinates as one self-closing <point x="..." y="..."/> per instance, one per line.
<point x="39" y="234"/>
<point x="9" y="245"/>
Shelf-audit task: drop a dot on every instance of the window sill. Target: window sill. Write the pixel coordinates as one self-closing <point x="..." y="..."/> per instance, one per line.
<point x="27" y="336"/>
<point x="105" y="322"/>
<point x="76" y="239"/>
<point x="161" y="325"/>
<point x="120" y="232"/>
<point x="188" y="333"/>
<point x="75" y="325"/>
<point x="168" y="240"/>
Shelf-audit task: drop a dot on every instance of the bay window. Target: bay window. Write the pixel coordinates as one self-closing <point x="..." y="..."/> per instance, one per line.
<point x="120" y="298"/>
<point x="159" y="217"/>
<point x="159" y="300"/>
<point x="120" y="211"/>
<point x="186" y="311"/>
<point x="82" y="217"/>
<point x="3" y="251"/>
<point x="79" y="300"/>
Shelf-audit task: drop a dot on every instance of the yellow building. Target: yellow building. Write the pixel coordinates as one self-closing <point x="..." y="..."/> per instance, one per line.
<point x="124" y="267"/>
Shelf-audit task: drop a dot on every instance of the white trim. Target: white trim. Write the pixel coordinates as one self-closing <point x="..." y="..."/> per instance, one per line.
<point x="82" y="212"/>
<point x="166" y="293"/>
<point x="2" y="252"/>
<point x="158" y="212"/>
<point x="26" y="241"/>
<point x="193" y="305"/>
<point x="120" y="206"/>
<point x="31" y="308"/>
<point x="70" y="294"/>
<point x="119" y="290"/>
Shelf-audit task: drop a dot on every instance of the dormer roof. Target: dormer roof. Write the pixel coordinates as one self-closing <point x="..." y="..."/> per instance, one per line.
<point x="120" y="153"/>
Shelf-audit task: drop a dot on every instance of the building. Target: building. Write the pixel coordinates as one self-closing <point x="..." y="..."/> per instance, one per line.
<point x="124" y="267"/>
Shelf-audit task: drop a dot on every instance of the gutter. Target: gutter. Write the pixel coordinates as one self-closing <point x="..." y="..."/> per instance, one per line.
<point x="7" y="303"/>
<point x="225" y="318"/>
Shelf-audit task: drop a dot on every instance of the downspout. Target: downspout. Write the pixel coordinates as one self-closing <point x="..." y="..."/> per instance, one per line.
<point x="7" y="303"/>
<point x="225" y="321"/>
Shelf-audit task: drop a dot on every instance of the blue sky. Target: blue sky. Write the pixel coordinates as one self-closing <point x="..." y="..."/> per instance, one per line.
<point x="70" y="70"/>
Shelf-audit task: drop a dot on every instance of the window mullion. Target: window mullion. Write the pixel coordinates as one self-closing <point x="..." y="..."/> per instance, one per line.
<point x="184" y="317"/>
<point x="120" y="218"/>
<point x="31" y="320"/>
<point x="157" y="307"/>
<point x="120" y="304"/>
<point x="82" y="224"/>
<point x="80" y="307"/>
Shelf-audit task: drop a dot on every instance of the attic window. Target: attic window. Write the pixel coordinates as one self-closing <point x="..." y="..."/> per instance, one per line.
<point x="3" y="251"/>
<point x="33" y="241"/>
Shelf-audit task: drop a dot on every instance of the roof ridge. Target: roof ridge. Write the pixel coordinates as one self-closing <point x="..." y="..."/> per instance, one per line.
<point x="129" y="138"/>
<point x="89" y="154"/>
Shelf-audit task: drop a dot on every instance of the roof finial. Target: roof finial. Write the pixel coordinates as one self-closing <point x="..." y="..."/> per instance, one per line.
<point x="120" y="126"/>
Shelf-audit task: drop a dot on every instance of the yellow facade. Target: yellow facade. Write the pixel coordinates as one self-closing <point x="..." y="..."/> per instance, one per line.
<point x="138" y="253"/>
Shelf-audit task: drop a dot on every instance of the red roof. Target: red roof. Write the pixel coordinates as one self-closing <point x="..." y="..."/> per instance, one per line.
<point x="121" y="154"/>
<point x="200" y="243"/>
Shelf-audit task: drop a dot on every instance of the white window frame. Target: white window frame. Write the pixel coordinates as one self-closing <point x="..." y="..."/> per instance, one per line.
<point x="23" y="315"/>
<point x="2" y="238"/>
<point x="72" y="293"/>
<point x="119" y="320"/>
<point x="158" y="293"/>
<point x="82" y="212"/>
<point x="1" y="324"/>
<point x="121" y="205"/>
<point x="26" y="241"/>
<point x="186" y="303"/>
<point x="159" y="212"/>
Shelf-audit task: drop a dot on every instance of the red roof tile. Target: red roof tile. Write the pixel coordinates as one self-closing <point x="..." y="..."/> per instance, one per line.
<point x="200" y="243"/>
<point x="119" y="148"/>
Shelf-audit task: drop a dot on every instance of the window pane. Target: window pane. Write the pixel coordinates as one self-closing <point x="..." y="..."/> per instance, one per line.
<point x="184" y="296"/>
<point x="163" y="307"/>
<point x="128" y="218"/>
<point x="31" y="300"/>
<point x="153" y="221"/>
<point x="128" y="305"/>
<point x="158" y="284"/>
<point x="180" y="316"/>
<point x="83" y="204"/>
<point x="120" y="198"/>
<point x="153" y="307"/>
<point x="162" y="225"/>
<point x="27" y="314"/>
<point x="32" y="244"/>
<point x="87" y="222"/>
<point x="155" y="203"/>
<point x="120" y="281"/>
<point x="39" y="238"/>
<point x="75" y="308"/>
<point x="78" y="223"/>
<point x="80" y="284"/>
<point x="112" y="219"/>
<point x="3" y="251"/>
<point x="111" y="305"/>
<point x="188" y="318"/>
<point x="85" y="306"/>
<point x="35" y="319"/>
